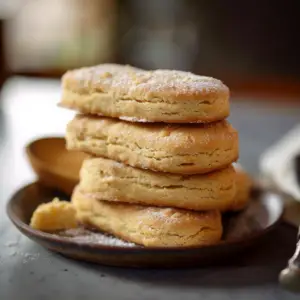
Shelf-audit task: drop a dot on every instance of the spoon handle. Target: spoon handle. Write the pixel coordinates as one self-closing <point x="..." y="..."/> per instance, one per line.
<point x="290" y="277"/>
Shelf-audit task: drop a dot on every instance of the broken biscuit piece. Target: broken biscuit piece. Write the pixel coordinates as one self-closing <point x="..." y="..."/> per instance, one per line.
<point x="53" y="216"/>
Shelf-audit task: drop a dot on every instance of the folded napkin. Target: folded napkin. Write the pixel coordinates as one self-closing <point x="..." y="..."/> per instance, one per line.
<point x="278" y="166"/>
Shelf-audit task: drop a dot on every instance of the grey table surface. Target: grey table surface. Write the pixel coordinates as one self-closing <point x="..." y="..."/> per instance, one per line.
<point x="28" y="271"/>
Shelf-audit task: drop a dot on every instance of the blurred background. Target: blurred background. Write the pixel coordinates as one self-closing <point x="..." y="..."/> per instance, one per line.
<point x="253" y="46"/>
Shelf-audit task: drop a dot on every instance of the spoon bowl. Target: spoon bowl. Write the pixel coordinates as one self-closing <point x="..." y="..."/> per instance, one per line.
<point x="54" y="165"/>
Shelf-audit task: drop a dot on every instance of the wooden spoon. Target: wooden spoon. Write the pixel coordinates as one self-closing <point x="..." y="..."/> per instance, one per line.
<point x="55" y="166"/>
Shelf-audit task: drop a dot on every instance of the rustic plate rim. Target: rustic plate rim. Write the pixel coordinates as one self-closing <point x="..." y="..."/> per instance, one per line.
<point x="52" y="238"/>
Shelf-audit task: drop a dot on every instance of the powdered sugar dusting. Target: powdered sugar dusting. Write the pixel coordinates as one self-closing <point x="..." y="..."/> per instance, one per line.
<point x="133" y="119"/>
<point x="165" y="215"/>
<point x="28" y="257"/>
<point x="180" y="82"/>
<point x="128" y="81"/>
<point x="117" y="164"/>
<point x="81" y="235"/>
<point x="25" y="256"/>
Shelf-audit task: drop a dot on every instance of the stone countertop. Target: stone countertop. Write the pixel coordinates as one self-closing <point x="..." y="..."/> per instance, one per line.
<point x="28" y="271"/>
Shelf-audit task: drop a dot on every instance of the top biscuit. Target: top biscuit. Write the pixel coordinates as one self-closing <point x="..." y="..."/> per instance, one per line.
<point x="138" y="95"/>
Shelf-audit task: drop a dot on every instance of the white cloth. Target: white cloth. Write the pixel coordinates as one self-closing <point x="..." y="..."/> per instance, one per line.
<point x="277" y="163"/>
<point x="277" y="166"/>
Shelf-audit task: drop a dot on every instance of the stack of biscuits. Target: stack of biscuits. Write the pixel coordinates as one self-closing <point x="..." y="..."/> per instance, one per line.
<point x="160" y="168"/>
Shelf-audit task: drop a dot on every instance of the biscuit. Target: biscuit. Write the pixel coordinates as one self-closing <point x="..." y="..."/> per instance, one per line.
<point x="243" y="189"/>
<point x="149" y="226"/>
<point x="53" y="216"/>
<point x="180" y="149"/>
<point x="106" y="179"/>
<point x="145" y="96"/>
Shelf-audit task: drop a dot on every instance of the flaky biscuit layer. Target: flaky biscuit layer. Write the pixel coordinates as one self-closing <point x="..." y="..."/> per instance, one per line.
<point x="180" y="149"/>
<point x="106" y="179"/>
<point x="145" y="96"/>
<point x="149" y="226"/>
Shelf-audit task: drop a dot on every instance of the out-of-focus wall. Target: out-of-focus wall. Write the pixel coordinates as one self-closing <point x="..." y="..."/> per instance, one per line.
<point x="233" y="40"/>
<point x="214" y="37"/>
<point x="56" y="35"/>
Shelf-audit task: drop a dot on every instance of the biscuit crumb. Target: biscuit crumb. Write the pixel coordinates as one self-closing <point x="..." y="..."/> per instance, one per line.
<point x="55" y="215"/>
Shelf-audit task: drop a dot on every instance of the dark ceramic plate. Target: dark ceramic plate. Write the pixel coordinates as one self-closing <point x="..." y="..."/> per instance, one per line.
<point x="241" y="230"/>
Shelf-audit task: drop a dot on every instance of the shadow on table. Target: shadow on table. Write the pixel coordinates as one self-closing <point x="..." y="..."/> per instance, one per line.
<point x="258" y="266"/>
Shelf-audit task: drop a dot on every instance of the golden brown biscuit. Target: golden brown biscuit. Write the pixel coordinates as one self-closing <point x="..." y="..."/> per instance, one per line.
<point x="106" y="179"/>
<point x="145" y="96"/>
<point x="54" y="215"/>
<point x="149" y="226"/>
<point x="243" y="189"/>
<point x="181" y="149"/>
